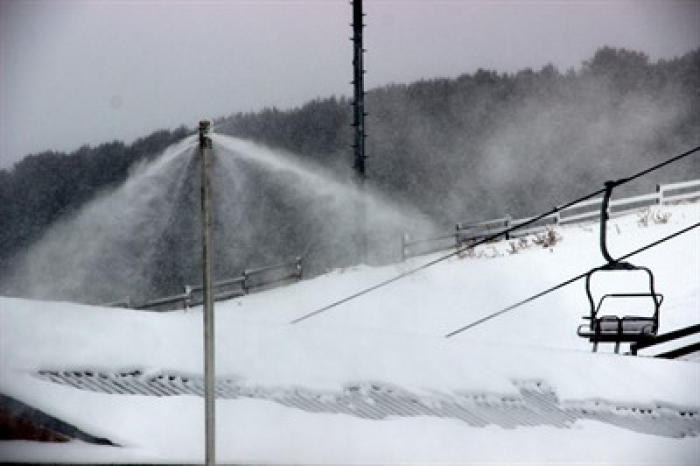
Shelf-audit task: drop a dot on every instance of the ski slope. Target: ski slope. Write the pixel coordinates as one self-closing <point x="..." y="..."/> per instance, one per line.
<point x="392" y="338"/>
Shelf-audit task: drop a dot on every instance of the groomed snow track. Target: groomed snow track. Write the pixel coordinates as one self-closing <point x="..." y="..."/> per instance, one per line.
<point x="536" y="405"/>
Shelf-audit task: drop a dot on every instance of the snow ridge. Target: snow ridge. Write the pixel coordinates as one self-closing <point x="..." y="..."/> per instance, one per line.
<point x="537" y="403"/>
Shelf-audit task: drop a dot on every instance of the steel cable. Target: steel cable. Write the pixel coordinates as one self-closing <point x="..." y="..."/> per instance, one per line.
<point x="490" y="238"/>
<point x="567" y="282"/>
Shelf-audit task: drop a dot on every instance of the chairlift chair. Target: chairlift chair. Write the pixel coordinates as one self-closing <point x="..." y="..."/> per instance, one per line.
<point x="618" y="328"/>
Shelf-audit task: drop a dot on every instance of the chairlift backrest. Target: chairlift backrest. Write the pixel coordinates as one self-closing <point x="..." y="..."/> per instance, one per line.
<point x="651" y="293"/>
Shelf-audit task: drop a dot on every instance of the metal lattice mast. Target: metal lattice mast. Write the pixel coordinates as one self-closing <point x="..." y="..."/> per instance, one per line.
<point x="359" y="123"/>
<point x="205" y="146"/>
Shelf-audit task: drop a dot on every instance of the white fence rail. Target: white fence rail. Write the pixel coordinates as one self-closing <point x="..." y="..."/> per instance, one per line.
<point x="673" y="193"/>
<point x="679" y="192"/>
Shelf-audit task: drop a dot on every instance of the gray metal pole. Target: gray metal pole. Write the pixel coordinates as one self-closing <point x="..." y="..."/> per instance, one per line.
<point x="205" y="145"/>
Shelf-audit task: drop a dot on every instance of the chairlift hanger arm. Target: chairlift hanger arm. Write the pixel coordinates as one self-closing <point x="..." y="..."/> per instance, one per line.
<point x="605" y="216"/>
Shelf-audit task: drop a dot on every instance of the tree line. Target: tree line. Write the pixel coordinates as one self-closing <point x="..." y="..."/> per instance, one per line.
<point x="487" y="143"/>
<point x="471" y="147"/>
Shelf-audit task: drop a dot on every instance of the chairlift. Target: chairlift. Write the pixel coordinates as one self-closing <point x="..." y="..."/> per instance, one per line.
<point x="618" y="328"/>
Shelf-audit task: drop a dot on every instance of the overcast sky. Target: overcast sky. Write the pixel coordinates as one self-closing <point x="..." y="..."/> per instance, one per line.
<point x="75" y="72"/>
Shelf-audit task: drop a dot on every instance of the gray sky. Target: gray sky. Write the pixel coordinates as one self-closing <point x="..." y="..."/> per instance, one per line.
<point x="75" y="72"/>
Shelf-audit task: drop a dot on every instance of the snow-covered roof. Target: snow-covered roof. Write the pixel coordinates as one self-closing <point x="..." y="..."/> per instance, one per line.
<point x="374" y="380"/>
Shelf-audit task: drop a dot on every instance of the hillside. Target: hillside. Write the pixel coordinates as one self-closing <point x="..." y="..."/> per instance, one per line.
<point x="477" y="146"/>
<point x="485" y="143"/>
<point x="377" y="353"/>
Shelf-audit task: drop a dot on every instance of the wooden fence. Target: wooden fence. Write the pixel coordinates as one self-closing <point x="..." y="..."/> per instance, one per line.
<point x="250" y="280"/>
<point x="466" y="232"/>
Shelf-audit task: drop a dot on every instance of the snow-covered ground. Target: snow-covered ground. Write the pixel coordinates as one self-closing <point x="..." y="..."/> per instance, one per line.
<point x="392" y="337"/>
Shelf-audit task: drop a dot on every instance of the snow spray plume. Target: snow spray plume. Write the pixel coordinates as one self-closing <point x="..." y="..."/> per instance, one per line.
<point x="143" y="240"/>
<point x="277" y="203"/>
<point x="107" y="251"/>
<point x="565" y="145"/>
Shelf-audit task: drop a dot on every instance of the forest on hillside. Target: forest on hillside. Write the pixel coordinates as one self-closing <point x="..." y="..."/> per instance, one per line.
<point x="473" y="147"/>
<point x="490" y="143"/>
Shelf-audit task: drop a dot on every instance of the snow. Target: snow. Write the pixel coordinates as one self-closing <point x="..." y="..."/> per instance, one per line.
<point x="393" y="336"/>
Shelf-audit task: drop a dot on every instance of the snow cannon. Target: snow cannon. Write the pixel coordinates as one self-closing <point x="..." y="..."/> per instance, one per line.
<point x="205" y="134"/>
<point x="205" y="146"/>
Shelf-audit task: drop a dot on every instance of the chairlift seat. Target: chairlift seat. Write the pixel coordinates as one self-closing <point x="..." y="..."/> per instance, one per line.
<point x="623" y="329"/>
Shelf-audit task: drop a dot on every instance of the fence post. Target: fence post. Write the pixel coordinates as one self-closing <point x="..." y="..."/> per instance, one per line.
<point x="245" y="281"/>
<point x="188" y="296"/>
<point x="404" y="239"/>
<point x="299" y="268"/>
<point x="659" y="195"/>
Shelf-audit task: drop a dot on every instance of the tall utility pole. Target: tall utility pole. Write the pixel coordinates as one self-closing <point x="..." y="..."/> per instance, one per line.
<point x="205" y="146"/>
<point x="359" y="123"/>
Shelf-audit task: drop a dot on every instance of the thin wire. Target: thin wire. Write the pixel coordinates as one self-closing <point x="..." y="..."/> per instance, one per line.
<point x="442" y="258"/>
<point x="566" y="283"/>
<point x="661" y="165"/>
<point x="485" y="240"/>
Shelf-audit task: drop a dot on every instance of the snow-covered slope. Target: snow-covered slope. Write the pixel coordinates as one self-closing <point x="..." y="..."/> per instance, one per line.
<point x="392" y="338"/>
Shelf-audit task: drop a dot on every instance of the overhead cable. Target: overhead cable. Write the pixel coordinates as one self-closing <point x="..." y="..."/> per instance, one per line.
<point x="567" y="282"/>
<point x="489" y="238"/>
